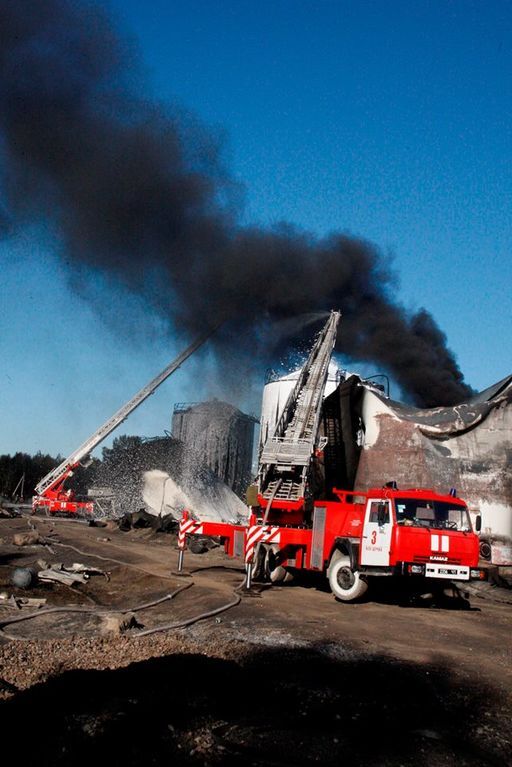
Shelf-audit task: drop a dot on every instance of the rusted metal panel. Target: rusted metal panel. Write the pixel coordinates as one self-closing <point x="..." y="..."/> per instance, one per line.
<point x="317" y="541"/>
<point x="238" y="543"/>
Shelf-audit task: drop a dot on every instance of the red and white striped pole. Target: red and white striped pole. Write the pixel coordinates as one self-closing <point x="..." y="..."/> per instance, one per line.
<point x="249" y="553"/>
<point x="248" y="573"/>
<point x="187" y="526"/>
<point x="255" y="536"/>
<point x="182" y="540"/>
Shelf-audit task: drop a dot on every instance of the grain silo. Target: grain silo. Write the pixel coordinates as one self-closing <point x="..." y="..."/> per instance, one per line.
<point x="221" y="436"/>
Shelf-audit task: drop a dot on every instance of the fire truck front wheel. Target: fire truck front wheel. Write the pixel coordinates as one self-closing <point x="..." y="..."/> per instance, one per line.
<point x="346" y="584"/>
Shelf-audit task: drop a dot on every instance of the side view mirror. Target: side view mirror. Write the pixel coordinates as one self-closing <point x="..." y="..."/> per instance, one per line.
<point x="478" y="523"/>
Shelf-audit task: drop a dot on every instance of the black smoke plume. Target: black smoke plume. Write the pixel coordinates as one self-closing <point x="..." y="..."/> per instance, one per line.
<point x="139" y="192"/>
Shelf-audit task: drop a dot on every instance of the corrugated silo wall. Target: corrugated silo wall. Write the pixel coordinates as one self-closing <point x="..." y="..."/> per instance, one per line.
<point x="221" y="436"/>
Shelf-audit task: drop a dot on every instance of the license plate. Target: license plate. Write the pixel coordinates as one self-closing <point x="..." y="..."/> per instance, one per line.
<point x="455" y="572"/>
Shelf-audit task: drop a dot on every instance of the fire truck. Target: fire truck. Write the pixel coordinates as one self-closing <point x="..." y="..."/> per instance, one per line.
<point x="349" y="536"/>
<point x="51" y="496"/>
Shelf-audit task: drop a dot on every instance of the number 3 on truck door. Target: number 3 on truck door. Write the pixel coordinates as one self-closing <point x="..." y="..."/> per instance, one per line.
<point x="376" y="533"/>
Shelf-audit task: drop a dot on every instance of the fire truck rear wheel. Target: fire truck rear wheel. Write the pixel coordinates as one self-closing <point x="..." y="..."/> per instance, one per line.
<point x="258" y="564"/>
<point x="346" y="584"/>
<point x="276" y="573"/>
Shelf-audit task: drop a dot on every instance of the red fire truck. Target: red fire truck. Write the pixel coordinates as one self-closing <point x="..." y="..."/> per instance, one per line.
<point x="349" y="536"/>
<point x="354" y="538"/>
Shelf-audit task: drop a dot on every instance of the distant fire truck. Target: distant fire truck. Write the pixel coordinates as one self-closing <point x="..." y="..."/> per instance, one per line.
<point x="51" y="496"/>
<point x="352" y="536"/>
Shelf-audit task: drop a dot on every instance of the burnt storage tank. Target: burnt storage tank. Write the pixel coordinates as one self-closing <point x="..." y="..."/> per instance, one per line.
<point x="221" y="436"/>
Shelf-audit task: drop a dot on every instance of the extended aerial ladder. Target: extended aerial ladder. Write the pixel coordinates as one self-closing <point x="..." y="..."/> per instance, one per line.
<point x="286" y="457"/>
<point x="50" y="494"/>
<point x="284" y="485"/>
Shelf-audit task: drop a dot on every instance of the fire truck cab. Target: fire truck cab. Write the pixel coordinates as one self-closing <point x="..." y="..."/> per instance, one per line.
<point x="398" y="532"/>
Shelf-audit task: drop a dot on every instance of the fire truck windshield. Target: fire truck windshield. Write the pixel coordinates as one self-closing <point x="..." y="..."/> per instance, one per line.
<point x="439" y="515"/>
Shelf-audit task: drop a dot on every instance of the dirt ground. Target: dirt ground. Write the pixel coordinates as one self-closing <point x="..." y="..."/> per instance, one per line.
<point x="288" y="676"/>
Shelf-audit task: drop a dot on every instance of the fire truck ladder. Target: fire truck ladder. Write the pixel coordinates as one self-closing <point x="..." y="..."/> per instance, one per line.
<point x="55" y="478"/>
<point x="287" y="454"/>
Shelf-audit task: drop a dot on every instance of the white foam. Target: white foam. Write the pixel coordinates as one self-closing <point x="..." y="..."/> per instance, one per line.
<point x="212" y="500"/>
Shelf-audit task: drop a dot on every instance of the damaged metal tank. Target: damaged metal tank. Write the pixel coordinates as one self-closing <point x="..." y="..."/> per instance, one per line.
<point x="221" y="435"/>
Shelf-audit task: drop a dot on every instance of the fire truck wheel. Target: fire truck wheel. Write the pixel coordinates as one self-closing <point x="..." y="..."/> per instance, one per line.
<point x="277" y="573"/>
<point x="258" y="565"/>
<point x="485" y="550"/>
<point x="346" y="584"/>
<point x="197" y="545"/>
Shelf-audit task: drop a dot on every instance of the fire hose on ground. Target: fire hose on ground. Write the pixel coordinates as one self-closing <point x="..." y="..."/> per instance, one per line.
<point x="104" y="610"/>
<point x="99" y="611"/>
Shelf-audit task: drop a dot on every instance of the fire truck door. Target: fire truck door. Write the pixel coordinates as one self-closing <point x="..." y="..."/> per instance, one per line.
<point x="377" y="526"/>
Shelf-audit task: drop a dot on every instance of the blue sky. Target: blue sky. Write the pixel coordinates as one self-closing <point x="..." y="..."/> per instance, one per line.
<point x="388" y="120"/>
